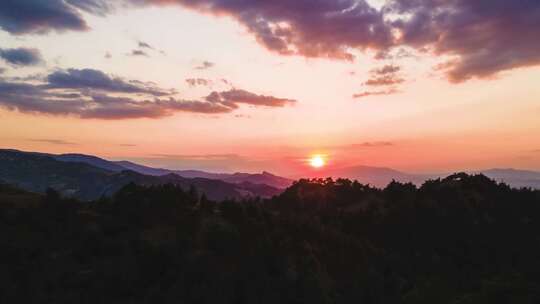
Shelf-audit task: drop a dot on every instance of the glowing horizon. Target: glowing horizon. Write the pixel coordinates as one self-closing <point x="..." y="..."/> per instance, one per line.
<point x="196" y="88"/>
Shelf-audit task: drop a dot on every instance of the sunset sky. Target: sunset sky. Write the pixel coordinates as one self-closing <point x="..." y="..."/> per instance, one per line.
<point x="252" y="85"/>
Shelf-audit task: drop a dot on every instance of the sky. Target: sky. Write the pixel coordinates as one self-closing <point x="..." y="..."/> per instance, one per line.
<point x="251" y="85"/>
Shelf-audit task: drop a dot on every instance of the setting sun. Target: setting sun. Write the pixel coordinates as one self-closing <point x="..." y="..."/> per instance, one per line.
<point x="317" y="161"/>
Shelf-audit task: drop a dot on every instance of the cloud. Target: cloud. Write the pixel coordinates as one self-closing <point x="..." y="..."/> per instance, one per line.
<point x="21" y="56"/>
<point x="136" y="53"/>
<point x="205" y="65"/>
<point x="372" y="144"/>
<point x="236" y="96"/>
<point x="144" y="45"/>
<point x="193" y="82"/>
<point x="53" y="141"/>
<point x="38" y="16"/>
<point x="386" y="80"/>
<point x="387" y="75"/>
<point x="31" y="77"/>
<point x="320" y="28"/>
<point x="97" y="80"/>
<point x="92" y="94"/>
<point x="387" y="69"/>
<point x="108" y="55"/>
<point x="483" y="37"/>
<point x="376" y="93"/>
<point x="127" y="145"/>
<point x="479" y="35"/>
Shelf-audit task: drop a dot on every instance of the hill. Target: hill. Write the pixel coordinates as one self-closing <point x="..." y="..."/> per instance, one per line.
<point x="37" y="172"/>
<point x="118" y="166"/>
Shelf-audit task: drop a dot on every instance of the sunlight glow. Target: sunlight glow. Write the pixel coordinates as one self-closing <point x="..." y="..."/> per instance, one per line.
<point x="317" y="161"/>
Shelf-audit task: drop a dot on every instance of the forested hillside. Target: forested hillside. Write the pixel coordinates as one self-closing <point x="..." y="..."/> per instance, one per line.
<point x="462" y="239"/>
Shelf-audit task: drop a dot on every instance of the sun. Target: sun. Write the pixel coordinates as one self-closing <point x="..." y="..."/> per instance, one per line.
<point x="317" y="161"/>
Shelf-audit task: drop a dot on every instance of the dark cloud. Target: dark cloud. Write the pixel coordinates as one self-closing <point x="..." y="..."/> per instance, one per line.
<point x="41" y="99"/>
<point x="311" y="28"/>
<point x="234" y="96"/>
<point x="205" y="65"/>
<point x="484" y="36"/>
<point x="96" y="7"/>
<point x="21" y="56"/>
<point x="138" y="53"/>
<point x="53" y="141"/>
<point x="39" y="16"/>
<point x="97" y="80"/>
<point x="31" y="77"/>
<point x="376" y="93"/>
<point x="87" y="94"/>
<point x="193" y="82"/>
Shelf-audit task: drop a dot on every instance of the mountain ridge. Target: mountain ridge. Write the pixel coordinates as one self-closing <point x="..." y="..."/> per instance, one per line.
<point x="376" y="176"/>
<point x="36" y="172"/>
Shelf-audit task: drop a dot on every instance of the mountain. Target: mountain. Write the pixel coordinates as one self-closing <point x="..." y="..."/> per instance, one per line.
<point x="118" y="166"/>
<point x="515" y="178"/>
<point x="380" y="177"/>
<point x="375" y="176"/>
<point x="91" y="160"/>
<point x="36" y="172"/>
<point x="142" y="169"/>
<point x="263" y="178"/>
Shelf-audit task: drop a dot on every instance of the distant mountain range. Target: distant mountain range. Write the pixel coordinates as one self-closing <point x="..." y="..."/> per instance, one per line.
<point x="119" y="166"/>
<point x="380" y="177"/>
<point x="89" y="177"/>
<point x="236" y="178"/>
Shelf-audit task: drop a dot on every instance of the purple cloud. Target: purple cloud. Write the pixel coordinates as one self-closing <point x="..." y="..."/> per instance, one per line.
<point x="21" y="56"/>
<point x="235" y="96"/>
<point x="37" y="16"/>
<point x="193" y="82"/>
<point x="97" y="80"/>
<point x="87" y="94"/>
<point x="484" y="36"/>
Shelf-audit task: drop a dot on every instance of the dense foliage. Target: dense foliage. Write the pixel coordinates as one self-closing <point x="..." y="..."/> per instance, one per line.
<point x="463" y="239"/>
